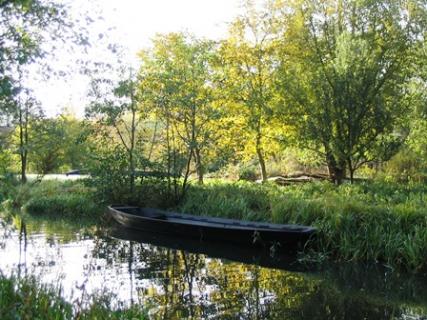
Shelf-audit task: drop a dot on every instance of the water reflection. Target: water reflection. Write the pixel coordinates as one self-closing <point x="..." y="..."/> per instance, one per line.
<point x="177" y="284"/>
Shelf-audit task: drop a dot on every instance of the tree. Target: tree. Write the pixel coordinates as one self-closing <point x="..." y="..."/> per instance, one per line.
<point x="24" y="26"/>
<point x="177" y="72"/>
<point x="76" y="153"/>
<point x="346" y="76"/>
<point x="28" y="31"/>
<point x="59" y="144"/>
<point x="115" y="101"/>
<point x="48" y="140"/>
<point x="28" y="110"/>
<point x="247" y="71"/>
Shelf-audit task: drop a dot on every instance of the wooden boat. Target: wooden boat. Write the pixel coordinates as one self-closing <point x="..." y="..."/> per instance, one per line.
<point x="210" y="228"/>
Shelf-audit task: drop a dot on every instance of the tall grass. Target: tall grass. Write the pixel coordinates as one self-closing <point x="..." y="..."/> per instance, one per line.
<point x="26" y="298"/>
<point x="70" y="199"/>
<point x="372" y="221"/>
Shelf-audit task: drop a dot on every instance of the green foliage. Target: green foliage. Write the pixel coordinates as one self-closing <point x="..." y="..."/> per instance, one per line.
<point x="26" y="298"/>
<point x="110" y="176"/>
<point x="8" y="184"/>
<point x="58" y="144"/>
<point x="110" y="182"/>
<point x="240" y="200"/>
<point x="247" y="73"/>
<point x="249" y="173"/>
<point x="24" y="26"/>
<point x="346" y="82"/>
<point x="115" y="106"/>
<point x="66" y="205"/>
<point x="56" y="198"/>
<point x="47" y="145"/>
<point x="404" y="167"/>
<point x="6" y="160"/>
<point x="375" y="221"/>
<point x="177" y="79"/>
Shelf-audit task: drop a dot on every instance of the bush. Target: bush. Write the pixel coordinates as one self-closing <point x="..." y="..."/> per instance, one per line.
<point x="110" y="178"/>
<point x="404" y="167"/>
<point x="248" y="173"/>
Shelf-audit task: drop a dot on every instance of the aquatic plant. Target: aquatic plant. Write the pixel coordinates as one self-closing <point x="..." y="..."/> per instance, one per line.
<point x="27" y="298"/>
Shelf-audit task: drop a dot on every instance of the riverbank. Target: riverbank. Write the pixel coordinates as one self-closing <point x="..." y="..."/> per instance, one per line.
<point x="369" y="221"/>
<point x="65" y="199"/>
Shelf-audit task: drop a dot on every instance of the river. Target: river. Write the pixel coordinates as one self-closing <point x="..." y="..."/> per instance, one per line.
<point x="181" y="279"/>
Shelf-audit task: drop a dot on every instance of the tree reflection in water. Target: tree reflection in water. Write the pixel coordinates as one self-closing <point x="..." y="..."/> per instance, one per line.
<point x="177" y="284"/>
<point x="186" y="285"/>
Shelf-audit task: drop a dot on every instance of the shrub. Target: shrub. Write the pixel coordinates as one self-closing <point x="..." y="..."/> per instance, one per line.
<point x="248" y="173"/>
<point x="404" y="167"/>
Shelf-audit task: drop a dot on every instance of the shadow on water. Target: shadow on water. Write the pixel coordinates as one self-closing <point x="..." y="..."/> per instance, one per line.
<point x="178" y="278"/>
<point x="251" y="285"/>
<point x="229" y="251"/>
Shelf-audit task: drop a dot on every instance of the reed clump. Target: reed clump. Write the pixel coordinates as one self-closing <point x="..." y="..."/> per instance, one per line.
<point x="68" y="199"/>
<point x="369" y="221"/>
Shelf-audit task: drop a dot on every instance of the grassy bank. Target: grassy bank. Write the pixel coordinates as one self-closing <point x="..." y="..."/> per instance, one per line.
<point x="66" y="199"/>
<point x="28" y="299"/>
<point x="373" y="222"/>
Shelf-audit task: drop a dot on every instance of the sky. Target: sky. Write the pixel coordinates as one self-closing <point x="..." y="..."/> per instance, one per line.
<point x="132" y="24"/>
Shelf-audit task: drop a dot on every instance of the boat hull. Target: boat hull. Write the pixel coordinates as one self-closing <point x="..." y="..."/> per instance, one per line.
<point x="209" y="228"/>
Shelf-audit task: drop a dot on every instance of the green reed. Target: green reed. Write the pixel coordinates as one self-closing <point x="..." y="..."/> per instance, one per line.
<point x="28" y="299"/>
<point x="370" y="221"/>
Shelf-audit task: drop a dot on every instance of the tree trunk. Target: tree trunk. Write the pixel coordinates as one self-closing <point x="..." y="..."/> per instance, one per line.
<point x="261" y="161"/>
<point x="199" y="166"/>
<point x="168" y="150"/>
<point x="350" y="170"/>
<point x="131" y="173"/>
<point x="336" y="169"/>
<point x="23" y="167"/>
<point x="153" y="141"/>
<point x="132" y="144"/>
<point x="23" y="140"/>
<point x="186" y="175"/>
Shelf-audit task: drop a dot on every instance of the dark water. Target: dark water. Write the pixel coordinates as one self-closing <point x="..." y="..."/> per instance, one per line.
<point x="162" y="274"/>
